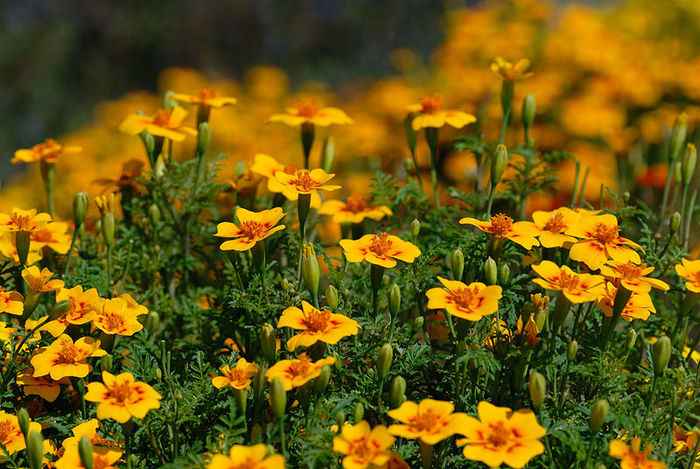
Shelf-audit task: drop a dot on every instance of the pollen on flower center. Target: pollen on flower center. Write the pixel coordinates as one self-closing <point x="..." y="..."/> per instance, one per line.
<point x="605" y="234"/>
<point x="206" y="93"/>
<point x="23" y="222"/>
<point x="556" y="223"/>
<point x="499" y="434"/>
<point x="290" y="169"/>
<point x="568" y="281"/>
<point x="432" y="104"/>
<point x="6" y="430"/>
<point x="162" y="117"/>
<point x="380" y="244"/>
<point x="307" y="109"/>
<point x="300" y="366"/>
<point x="500" y="225"/>
<point x="121" y="391"/>
<point x="631" y="270"/>
<point x="252" y="229"/>
<point x="69" y="353"/>
<point x="304" y="181"/>
<point x="464" y="297"/>
<point x="356" y="204"/>
<point x="426" y="421"/>
<point x="114" y="321"/>
<point x="317" y="320"/>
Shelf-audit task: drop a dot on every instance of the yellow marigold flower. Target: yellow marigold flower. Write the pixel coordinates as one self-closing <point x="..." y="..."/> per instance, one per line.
<point x="48" y="151"/>
<point x="363" y="446"/>
<point x="316" y="325"/>
<point x="552" y="226"/>
<point x="304" y="181"/>
<point x="577" y="288"/>
<point x="103" y="457"/>
<point x="11" y="435"/>
<point x="309" y="113"/>
<point x="205" y="97"/>
<point x="471" y="302"/>
<point x="297" y="372"/>
<point x="354" y="211"/>
<point x="113" y="316"/>
<point x="601" y="241"/>
<point x="166" y="123"/>
<point x="530" y="330"/>
<point x="238" y="378"/>
<point x="82" y="309"/>
<point x="54" y="235"/>
<point x="430" y="114"/>
<point x="247" y="457"/>
<point x="23" y="220"/>
<point x="11" y="302"/>
<point x="268" y="167"/>
<point x="66" y="358"/>
<point x="42" y="386"/>
<point x="396" y="461"/>
<point x="631" y="457"/>
<point x="502" y="226"/>
<point x="138" y="309"/>
<point x="690" y="271"/>
<point x="254" y="227"/>
<point x="121" y="397"/>
<point x="501" y="436"/>
<point x="430" y="420"/>
<point x="41" y="281"/>
<point x="684" y="441"/>
<point x="632" y="276"/>
<point x="511" y="71"/>
<point x="382" y="250"/>
<point x="9" y="250"/>
<point x="639" y="305"/>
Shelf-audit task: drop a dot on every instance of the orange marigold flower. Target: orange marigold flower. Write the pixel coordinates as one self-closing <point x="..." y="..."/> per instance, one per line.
<point x="430" y="420"/>
<point x="103" y="457"/>
<point x="66" y="358"/>
<point x="11" y="436"/>
<point x="430" y="114"/>
<point x="632" y="276"/>
<point x="297" y="372"/>
<point x="165" y="123"/>
<point x="501" y="436"/>
<point x="205" y="97"/>
<point x="577" y="288"/>
<point x="48" y="151"/>
<point x="42" y="386"/>
<point x="121" y="397"/>
<point x="127" y="180"/>
<point x="471" y="302"/>
<point x="502" y="226"/>
<point x="11" y="302"/>
<point x="309" y="113"/>
<point x="254" y="227"/>
<point x="54" y="235"/>
<point x="23" y="220"/>
<point x="382" y="250"/>
<point x="40" y="281"/>
<point x="304" y="181"/>
<point x="690" y="271"/>
<point x="363" y="447"/>
<point x="639" y="305"/>
<point x="529" y="331"/>
<point x="631" y="457"/>
<point x="268" y="167"/>
<point x="88" y="429"/>
<point x="511" y="71"/>
<point x="684" y="441"/>
<point x="316" y="325"/>
<point x="82" y="309"/>
<point x="552" y="226"/>
<point x="247" y="457"/>
<point x="601" y="241"/>
<point x="238" y="378"/>
<point x="354" y="211"/>
<point x="113" y="316"/>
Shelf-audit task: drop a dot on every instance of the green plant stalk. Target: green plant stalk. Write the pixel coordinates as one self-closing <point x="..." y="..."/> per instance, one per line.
<point x="380" y="410"/>
<point x="417" y="168"/>
<point x="582" y="199"/>
<point x="376" y="275"/>
<point x="451" y="325"/>
<point x="561" y="310"/>
<point x="667" y="186"/>
<point x="689" y="215"/>
<point x="589" y="448"/>
<point x="649" y="402"/>
<point x="504" y="124"/>
<point x="432" y="136"/>
<point x="621" y="298"/>
<point x="684" y="208"/>
<point x="109" y="269"/>
<point x="574" y="195"/>
<point x="489" y="204"/>
<point x="693" y="455"/>
<point x="70" y="251"/>
<point x="283" y="442"/>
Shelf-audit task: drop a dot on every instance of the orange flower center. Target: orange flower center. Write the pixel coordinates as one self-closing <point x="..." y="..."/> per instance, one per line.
<point x="290" y="169"/>
<point x="380" y="245"/>
<point x="44" y="236"/>
<point x="238" y="375"/>
<point x="22" y="222"/>
<point x="360" y="448"/>
<point x="252" y="229"/>
<point x="303" y="181"/>
<point x="556" y="223"/>
<point x="301" y="366"/>
<point x="7" y="431"/>
<point x="121" y="390"/>
<point x="427" y="421"/>
<point x="568" y="281"/>
<point x="465" y="297"/>
<point x="69" y="353"/>
<point x="307" y="109"/>
<point x="499" y="434"/>
<point x="605" y="234"/>
<point x="356" y="204"/>
<point x="162" y="117"/>
<point x="430" y="105"/>
<point x="207" y="93"/>
<point x="500" y="225"/>
<point x="630" y="270"/>
<point x="317" y="321"/>
<point x="114" y="321"/>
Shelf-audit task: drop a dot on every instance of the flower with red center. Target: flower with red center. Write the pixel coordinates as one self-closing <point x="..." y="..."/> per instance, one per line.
<point x="23" y="220"/>
<point x="42" y="386"/>
<point x="40" y="281"/>
<point x="529" y="331"/>
<point x="690" y="271"/>
<point x="121" y="397"/>
<point x="429" y="113"/>
<point x="552" y="226"/>
<point x="354" y="211"/>
<point x="382" y="250"/>
<point x="11" y="302"/>
<point x="11" y="436"/>
<point x="600" y="241"/>
<point x="82" y="310"/>
<point x="304" y="181"/>
<point x="501" y="226"/>
<point x="48" y="151"/>
<point x="430" y="420"/>
<point x="54" y="235"/>
<point x="632" y="276"/>
<point x="509" y="71"/>
<point x="247" y="457"/>
<point x="205" y="97"/>
<point x="639" y="305"/>
<point x="102" y="458"/>
<point x="471" y="302"/>
<point x="238" y="378"/>
<point x="297" y="372"/>
<point x="66" y="358"/>
<point x="113" y="316"/>
<point x="363" y="446"/>
<point x="165" y="123"/>
<point x="88" y="429"/>
<point x="501" y="436"/>
<point x="309" y="113"/>
<point x="577" y="288"/>
<point x="254" y="227"/>
<point x="316" y="325"/>
<point x="684" y="441"/>
<point x="631" y="457"/>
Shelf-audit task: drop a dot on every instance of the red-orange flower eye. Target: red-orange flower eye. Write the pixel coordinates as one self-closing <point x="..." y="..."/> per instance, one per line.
<point x="500" y="225"/>
<point x="499" y="435"/>
<point x="207" y="93"/>
<point x="252" y="229"/>
<point x="605" y="234"/>
<point x="356" y="204"/>
<point x="162" y="117"/>
<point x="304" y="181"/>
<point x="380" y="244"/>
<point x="556" y="223"/>
<point x="307" y="109"/>
<point x="431" y="104"/>
<point x="290" y="168"/>
<point x="568" y="280"/>
<point x="317" y="320"/>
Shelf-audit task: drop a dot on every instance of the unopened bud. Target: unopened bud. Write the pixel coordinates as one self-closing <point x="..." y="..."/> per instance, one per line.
<point x="35" y="449"/>
<point x="108" y="227"/>
<point x="491" y="271"/>
<point x="203" y="138"/>
<point x="239" y="170"/>
<point x="397" y="395"/>
<point x="80" y="205"/>
<point x="415" y="228"/>
<point x="168" y="101"/>
<point x="499" y="163"/>
<point x="384" y="359"/>
<point x="358" y="412"/>
<point x="599" y="413"/>
<point x="23" y="421"/>
<point x="106" y="363"/>
<point x="22" y="241"/>
<point x="159" y="374"/>
<point x="408" y="165"/>
<point x="149" y="143"/>
<point x="417" y="323"/>
<point x="268" y="342"/>
<point x="285" y="284"/>
<point x="675" y="222"/>
<point x="690" y="159"/>
<point x="85" y="452"/>
<point x="679" y="132"/>
<point x="529" y="107"/>
<point x="278" y="397"/>
<point x="332" y="297"/>
<point x="537" y="387"/>
<point x="457" y="264"/>
<point x="630" y="339"/>
<point x="571" y="350"/>
<point x="340" y="419"/>
<point x="59" y="309"/>
<point x="323" y="379"/>
<point x="310" y="270"/>
<point x="394" y="299"/>
<point x="661" y="354"/>
<point x="328" y="154"/>
<point x="503" y="273"/>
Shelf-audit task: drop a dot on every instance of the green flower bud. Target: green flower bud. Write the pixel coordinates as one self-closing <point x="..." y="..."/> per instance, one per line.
<point x="537" y="387"/>
<point x="457" y="264"/>
<point x="661" y="354"/>
<point x="285" y="284"/>
<point x="599" y="413"/>
<point x="168" y="101"/>
<point x="679" y="132"/>
<point x="417" y="324"/>
<point x="491" y="271"/>
<point x="255" y="433"/>
<point x="31" y="301"/>
<point x="80" y="205"/>
<point x="241" y="398"/>
<point x="59" y="309"/>
<point x="22" y="242"/>
<point x="108" y="227"/>
<point x="23" y="421"/>
<point x="308" y="133"/>
<point x="340" y="419"/>
<point x="259" y="385"/>
<point x="384" y="359"/>
<point x="675" y="222"/>
<point x="152" y="321"/>
<point x="529" y="107"/>
<point x="397" y="395"/>
<point x="323" y="379"/>
<point x="268" y="342"/>
<point x="338" y="365"/>
<point x="85" y="452"/>
<point x="106" y="363"/>
<point x="35" y="450"/>
<point x="503" y="273"/>
<point x="677" y="174"/>
<point x="358" y="412"/>
<point x="571" y="350"/>
<point x="203" y="138"/>
<point x="499" y="163"/>
<point x="408" y="165"/>
<point x="239" y="170"/>
<point x="278" y="397"/>
<point x="159" y="374"/>
<point x="328" y="154"/>
<point x="415" y="228"/>
<point x="149" y="143"/>
<point x="600" y="465"/>
<point x="690" y="159"/>
<point x="630" y="339"/>
<point x="394" y="299"/>
<point x="332" y="297"/>
<point x="310" y="270"/>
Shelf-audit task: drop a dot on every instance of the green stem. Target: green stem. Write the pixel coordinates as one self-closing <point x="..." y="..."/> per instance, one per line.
<point x="283" y="442"/>
<point x="588" y="451"/>
<point x="504" y="125"/>
<point x="490" y="202"/>
<point x="109" y="269"/>
<point x="417" y="168"/>
<point x="432" y="137"/>
<point x="70" y="251"/>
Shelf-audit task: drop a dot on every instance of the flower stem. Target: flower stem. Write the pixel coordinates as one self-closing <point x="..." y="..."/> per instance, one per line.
<point x="70" y="251"/>
<point x="431" y="136"/>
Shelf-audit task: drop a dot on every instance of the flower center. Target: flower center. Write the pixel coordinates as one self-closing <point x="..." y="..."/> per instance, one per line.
<point x="630" y="270"/>
<point x="465" y="297"/>
<point x="427" y="421"/>
<point x="162" y="117"/>
<point x="290" y="169"/>
<point x="568" y="281"/>
<point x="114" y="322"/>
<point x="300" y="366"/>
<point x="121" y="390"/>
<point x="303" y="181"/>
<point x="252" y="229"/>
<point x="500" y="225"/>
<point x="6" y="431"/>
<point x="23" y="222"/>
<point x="380" y="244"/>
<point x="432" y="104"/>
<point x="356" y="204"/>
<point x="605" y="234"/>
<point x="499" y="434"/>
<point x="42" y="236"/>
<point x="207" y="93"/>
<point x="69" y="353"/>
<point x="307" y="109"/>
<point x="556" y="223"/>
<point x="316" y="320"/>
